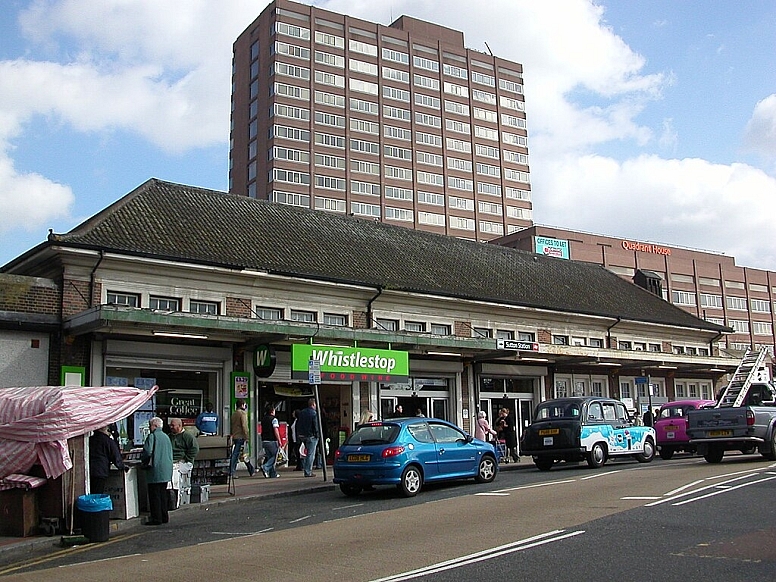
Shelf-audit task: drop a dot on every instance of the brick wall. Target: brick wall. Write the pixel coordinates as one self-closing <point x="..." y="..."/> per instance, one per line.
<point x="360" y="320"/>
<point x="238" y="307"/>
<point x="29" y="295"/>
<point x="463" y="329"/>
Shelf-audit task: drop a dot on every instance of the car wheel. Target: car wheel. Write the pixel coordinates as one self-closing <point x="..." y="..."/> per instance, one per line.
<point x="411" y="481"/>
<point x="714" y="454"/>
<point x="597" y="456"/>
<point x="649" y="452"/>
<point x="543" y="464"/>
<point x="666" y="453"/>
<point x="486" y="471"/>
<point x="350" y="490"/>
<point x="770" y="454"/>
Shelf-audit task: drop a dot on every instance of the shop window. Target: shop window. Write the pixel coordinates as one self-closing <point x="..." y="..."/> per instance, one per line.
<point x="440" y="329"/>
<point x="203" y="307"/>
<point x="335" y="319"/>
<point x="414" y="326"/>
<point x="596" y="388"/>
<point x="680" y="390"/>
<point x="269" y="313"/>
<point x="164" y="303"/>
<point x="561" y="388"/>
<point x="625" y="390"/>
<point x="303" y="316"/>
<point x="128" y="299"/>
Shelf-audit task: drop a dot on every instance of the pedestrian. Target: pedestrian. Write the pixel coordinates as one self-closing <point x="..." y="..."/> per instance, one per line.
<point x="270" y="441"/>
<point x="648" y="420"/>
<point x="482" y="429"/>
<point x="366" y="416"/>
<point x="184" y="450"/>
<point x="157" y="453"/>
<point x="207" y="421"/>
<point x="239" y="426"/>
<point x="103" y="451"/>
<point x="398" y="412"/>
<point x="510" y="436"/>
<point x="295" y="443"/>
<point x="307" y="432"/>
<point x="419" y="412"/>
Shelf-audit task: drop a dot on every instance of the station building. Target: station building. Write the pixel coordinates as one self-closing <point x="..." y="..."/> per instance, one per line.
<point x="216" y="297"/>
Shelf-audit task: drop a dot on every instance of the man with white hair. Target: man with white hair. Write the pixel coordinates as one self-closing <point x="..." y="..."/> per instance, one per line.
<point x="157" y="460"/>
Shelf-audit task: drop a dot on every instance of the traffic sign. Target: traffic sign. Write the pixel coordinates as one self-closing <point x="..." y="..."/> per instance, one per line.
<point x="314" y="371"/>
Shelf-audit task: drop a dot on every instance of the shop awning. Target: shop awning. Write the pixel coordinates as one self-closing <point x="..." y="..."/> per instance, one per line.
<point x="36" y="421"/>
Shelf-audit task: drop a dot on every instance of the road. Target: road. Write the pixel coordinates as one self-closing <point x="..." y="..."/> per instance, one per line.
<point x="682" y="519"/>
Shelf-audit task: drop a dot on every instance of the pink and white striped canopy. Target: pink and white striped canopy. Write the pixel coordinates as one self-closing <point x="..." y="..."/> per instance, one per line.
<point x="36" y="421"/>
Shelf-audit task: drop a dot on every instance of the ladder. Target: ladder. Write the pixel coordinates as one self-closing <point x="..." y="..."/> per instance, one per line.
<point x="742" y="379"/>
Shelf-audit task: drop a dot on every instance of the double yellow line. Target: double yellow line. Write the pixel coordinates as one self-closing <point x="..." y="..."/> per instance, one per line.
<point x="61" y="553"/>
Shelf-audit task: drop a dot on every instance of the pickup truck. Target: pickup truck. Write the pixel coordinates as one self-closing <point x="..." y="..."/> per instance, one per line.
<point x="747" y="428"/>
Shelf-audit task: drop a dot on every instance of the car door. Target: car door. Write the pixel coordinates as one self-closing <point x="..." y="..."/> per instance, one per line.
<point x="455" y="454"/>
<point x="424" y="449"/>
<point x="618" y="437"/>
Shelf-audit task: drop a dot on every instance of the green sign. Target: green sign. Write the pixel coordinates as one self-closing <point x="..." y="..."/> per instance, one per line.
<point x="343" y="364"/>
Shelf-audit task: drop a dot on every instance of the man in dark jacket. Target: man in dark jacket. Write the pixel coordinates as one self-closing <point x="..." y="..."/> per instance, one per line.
<point x="103" y="451"/>
<point x="307" y="433"/>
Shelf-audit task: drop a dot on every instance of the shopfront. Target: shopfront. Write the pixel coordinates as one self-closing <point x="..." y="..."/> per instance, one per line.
<point x="188" y="377"/>
<point x="430" y="390"/>
<point x="513" y="387"/>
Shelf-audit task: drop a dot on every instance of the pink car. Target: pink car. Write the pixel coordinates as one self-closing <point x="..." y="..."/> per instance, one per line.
<point x="671" y="425"/>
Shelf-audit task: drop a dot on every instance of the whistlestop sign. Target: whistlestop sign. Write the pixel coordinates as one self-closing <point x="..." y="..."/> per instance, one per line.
<point x="344" y="364"/>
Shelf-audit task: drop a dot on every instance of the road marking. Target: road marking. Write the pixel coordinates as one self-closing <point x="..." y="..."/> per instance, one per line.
<point x="695" y="491"/>
<point x="536" y="485"/>
<point x="601" y="475"/>
<point x="683" y="487"/>
<point x="538" y="540"/>
<point x="637" y="498"/>
<point x="300" y="519"/>
<point x="66" y="552"/>
<point x="236" y="534"/>
<point x="493" y="494"/>
<point x="101" y="560"/>
<point x="347" y="507"/>
<point x="727" y="490"/>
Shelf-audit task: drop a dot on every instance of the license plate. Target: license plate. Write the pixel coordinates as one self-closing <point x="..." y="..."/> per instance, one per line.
<point x="548" y="431"/>
<point x="547" y="441"/>
<point x="358" y="458"/>
<point x="672" y="427"/>
<point x="670" y="435"/>
<point x="720" y="433"/>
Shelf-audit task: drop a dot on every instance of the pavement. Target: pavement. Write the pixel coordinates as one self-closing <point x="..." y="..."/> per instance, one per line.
<point x="290" y="482"/>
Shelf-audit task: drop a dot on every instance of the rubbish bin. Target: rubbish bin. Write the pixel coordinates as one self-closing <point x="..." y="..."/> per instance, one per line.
<point x="94" y="511"/>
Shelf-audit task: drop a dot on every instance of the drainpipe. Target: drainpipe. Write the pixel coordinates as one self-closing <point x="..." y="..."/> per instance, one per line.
<point x="91" y="279"/>
<point x="713" y="341"/>
<point x="369" y="321"/>
<point x="609" y="332"/>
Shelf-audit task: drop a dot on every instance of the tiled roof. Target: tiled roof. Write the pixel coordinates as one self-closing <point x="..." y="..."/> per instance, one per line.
<point x="184" y="223"/>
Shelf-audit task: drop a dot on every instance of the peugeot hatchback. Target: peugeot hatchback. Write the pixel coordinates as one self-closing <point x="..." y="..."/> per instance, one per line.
<point x="408" y="452"/>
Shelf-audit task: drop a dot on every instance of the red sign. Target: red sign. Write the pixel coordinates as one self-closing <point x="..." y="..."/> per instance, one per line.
<point x="645" y="247"/>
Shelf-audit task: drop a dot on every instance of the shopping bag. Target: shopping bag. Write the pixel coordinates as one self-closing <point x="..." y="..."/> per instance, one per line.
<point x="282" y="459"/>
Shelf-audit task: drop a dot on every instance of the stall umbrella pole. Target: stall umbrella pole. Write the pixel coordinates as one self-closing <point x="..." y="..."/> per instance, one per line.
<point x="321" y="442"/>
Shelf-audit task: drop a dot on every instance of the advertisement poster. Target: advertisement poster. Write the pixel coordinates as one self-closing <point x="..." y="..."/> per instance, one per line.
<point x="241" y="385"/>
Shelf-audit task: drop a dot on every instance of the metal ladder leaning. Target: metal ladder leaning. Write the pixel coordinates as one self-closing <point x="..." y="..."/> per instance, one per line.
<point x="742" y="379"/>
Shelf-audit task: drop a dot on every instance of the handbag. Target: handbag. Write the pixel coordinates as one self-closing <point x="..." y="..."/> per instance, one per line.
<point x="147" y="463"/>
<point x="282" y="459"/>
<point x="172" y="499"/>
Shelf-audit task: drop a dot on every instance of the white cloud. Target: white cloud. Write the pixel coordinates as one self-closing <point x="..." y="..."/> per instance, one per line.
<point x="689" y="202"/>
<point x="162" y="70"/>
<point x="760" y="132"/>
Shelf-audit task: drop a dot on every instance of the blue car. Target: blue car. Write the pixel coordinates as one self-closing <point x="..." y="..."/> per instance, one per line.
<point x="408" y="452"/>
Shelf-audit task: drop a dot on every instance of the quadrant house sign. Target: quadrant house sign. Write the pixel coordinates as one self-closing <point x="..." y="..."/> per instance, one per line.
<point x="350" y="364"/>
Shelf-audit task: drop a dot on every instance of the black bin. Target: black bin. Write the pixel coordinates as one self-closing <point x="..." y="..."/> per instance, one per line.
<point x="94" y="512"/>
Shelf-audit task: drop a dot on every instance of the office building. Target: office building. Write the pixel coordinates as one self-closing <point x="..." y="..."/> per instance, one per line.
<point x="400" y="124"/>
<point x="707" y="284"/>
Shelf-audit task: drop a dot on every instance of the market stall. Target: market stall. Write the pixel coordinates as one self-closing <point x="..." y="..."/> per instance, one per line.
<point x="41" y="428"/>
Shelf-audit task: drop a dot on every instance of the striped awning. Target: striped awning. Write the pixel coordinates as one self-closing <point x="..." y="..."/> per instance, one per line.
<point x="36" y="421"/>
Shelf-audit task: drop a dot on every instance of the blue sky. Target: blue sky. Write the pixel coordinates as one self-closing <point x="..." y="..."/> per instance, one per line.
<point x="650" y="120"/>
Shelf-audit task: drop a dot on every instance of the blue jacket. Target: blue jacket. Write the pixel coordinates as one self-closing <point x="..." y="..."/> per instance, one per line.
<point x="207" y="422"/>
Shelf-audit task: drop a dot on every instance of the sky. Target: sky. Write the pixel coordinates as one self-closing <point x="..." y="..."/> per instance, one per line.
<point x="652" y="120"/>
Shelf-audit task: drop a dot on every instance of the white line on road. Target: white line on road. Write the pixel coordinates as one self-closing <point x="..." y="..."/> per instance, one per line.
<point x="682" y="488"/>
<point x="695" y="491"/>
<point x="727" y="490"/>
<point x="347" y="507"/>
<point x="641" y="498"/>
<point x="525" y="544"/>
<point x="300" y="519"/>
<point x="493" y="494"/>
<point x="601" y="475"/>
<point x="536" y="485"/>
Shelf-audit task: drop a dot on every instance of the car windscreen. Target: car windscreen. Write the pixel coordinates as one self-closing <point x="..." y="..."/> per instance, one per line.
<point x="550" y="410"/>
<point x="374" y="434"/>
